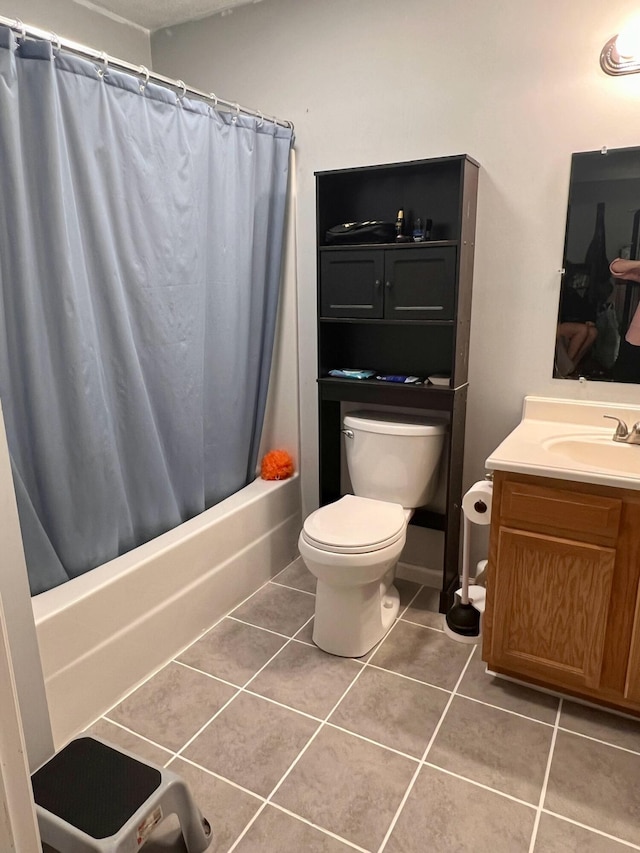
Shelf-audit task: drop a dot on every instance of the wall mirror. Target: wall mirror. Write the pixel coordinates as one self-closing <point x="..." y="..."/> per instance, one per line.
<point x="598" y="333"/>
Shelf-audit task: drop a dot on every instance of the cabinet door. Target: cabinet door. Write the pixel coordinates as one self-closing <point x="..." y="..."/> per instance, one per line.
<point x="351" y="283"/>
<point x="632" y="686"/>
<point x="550" y="607"/>
<point x="420" y="283"/>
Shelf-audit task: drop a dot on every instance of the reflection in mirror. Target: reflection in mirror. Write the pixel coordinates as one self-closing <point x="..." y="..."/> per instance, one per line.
<point x="598" y="334"/>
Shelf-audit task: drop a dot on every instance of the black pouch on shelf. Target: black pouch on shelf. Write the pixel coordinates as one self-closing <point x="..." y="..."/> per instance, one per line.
<point x="352" y="233"/>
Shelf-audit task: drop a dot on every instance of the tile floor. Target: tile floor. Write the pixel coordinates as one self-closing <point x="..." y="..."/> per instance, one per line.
<point x="411" y="748"/>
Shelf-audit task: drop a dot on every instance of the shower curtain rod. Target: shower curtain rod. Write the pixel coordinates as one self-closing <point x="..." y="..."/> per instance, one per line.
<point x="139" y="70"/>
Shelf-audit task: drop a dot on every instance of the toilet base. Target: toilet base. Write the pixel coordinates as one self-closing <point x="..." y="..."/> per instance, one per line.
<point x="349" y="621"/>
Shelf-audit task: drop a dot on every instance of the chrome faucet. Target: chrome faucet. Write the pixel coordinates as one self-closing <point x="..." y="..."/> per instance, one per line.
<point x="623" y="433"/>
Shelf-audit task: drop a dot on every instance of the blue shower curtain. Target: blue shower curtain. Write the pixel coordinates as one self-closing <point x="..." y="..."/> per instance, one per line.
<point x="140" y="254"/>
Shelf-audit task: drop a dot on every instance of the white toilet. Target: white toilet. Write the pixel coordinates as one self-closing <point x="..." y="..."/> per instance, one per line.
<point x="352" y="545"/>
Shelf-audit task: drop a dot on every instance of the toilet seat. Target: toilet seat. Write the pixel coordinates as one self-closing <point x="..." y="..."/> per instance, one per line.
<point x="354" y="525"/>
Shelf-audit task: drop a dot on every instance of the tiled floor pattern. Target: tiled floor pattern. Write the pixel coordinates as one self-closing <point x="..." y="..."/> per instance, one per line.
<point x="412" y="748"/>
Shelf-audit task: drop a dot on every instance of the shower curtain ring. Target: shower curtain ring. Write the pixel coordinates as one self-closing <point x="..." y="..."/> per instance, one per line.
<point x="20" y="26"/>
<point x="56" y="43"/>
<point x="261" y="122"/>
<point x="180" y="97"/>
<point x="102" y="72"/>
<point x="144" y="70"/>
<point x="214" y="98"/>
<point x="237" y="113"/>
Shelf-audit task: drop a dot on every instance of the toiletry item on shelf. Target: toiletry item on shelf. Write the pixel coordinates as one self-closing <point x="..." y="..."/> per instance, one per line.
<point x="422" y="230"/>
<point x="351" y="373"/>
<point x="399" y="224"/>
<point x="401" y="237"/>
<point x="439" y="379"/>
<point x="395" y="377"/>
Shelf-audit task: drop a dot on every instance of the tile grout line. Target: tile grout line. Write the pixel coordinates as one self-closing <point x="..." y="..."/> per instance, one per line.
<point x="478" y="784"/>
<point x="328" y="832"/>
<point x="411" y="600"/>
<point x="207" y="674"/>
<point x="218" y="776"/>
<point x="262" y="628"/>
<point x="288" y="586"/>
<point x="371" y="741"/>
<point x="420" y="625"/>
<point x="599" y="740"/>
<point x="138" y="735"/>
<point x="506" y="710"/>
<point x="424" y="755"/>
<point x="545" y="780"/>
<point x="406" y="677"/>
<point x="593" y="829"/>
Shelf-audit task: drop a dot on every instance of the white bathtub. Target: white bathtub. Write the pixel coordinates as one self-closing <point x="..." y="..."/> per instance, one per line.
<point x="102" y="633"/>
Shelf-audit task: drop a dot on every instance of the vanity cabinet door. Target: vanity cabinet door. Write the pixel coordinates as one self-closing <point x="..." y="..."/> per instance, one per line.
<point x="551" y="599"/>
<point x="632" y="686"/>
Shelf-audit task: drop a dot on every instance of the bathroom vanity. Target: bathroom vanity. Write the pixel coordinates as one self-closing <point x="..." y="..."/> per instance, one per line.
<point x="563" y="581"/>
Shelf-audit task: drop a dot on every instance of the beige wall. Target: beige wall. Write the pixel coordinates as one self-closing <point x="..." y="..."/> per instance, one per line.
<point x="78" y="23"/>
<point x="516" y="84"/>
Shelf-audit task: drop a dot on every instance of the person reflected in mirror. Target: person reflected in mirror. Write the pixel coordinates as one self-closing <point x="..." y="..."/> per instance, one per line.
<point x="577" y="332"/>
<point x="627" y="366"/>
<point x="576" y="339"/>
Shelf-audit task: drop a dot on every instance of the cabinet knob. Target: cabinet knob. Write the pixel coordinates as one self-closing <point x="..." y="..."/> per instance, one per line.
<point x="387" y="284"/>
<point x="377" y="283"/>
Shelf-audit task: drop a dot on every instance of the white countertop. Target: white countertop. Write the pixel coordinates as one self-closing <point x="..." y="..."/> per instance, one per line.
<point x="570" y="440"/>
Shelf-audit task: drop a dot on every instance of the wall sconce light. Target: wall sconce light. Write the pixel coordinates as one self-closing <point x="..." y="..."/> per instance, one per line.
<point x="621" y="54"/>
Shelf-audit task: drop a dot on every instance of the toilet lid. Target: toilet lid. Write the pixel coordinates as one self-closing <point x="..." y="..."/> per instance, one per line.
<point x="354" y="525"/>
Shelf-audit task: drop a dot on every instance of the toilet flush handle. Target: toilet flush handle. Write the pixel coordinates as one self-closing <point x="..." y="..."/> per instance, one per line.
<point x="347" y="432"/>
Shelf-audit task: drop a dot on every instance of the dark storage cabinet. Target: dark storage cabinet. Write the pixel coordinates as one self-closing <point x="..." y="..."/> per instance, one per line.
<point x="415" y="282"/>
<point x="398" y="308"/>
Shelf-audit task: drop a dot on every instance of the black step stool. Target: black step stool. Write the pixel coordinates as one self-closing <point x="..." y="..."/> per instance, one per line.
<point x="92" y="797"/>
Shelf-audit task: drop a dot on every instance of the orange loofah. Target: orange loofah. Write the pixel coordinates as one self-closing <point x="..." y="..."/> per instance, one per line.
<point x="276" y="465"/>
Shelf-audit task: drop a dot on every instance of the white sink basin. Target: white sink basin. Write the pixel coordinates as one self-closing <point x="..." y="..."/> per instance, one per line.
<point x="598" y="452"/>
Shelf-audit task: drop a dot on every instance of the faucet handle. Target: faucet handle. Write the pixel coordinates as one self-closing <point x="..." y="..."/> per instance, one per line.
<point x="622" y="430"/>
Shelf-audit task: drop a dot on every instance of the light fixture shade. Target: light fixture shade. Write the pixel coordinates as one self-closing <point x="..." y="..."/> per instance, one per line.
<point x="614" y="63"/>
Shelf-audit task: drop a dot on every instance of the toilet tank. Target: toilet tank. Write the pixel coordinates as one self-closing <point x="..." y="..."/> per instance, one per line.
<point x="393" y="457"/>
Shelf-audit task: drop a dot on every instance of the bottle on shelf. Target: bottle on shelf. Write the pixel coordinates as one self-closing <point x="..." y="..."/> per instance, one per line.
<point x="399" y="225"/>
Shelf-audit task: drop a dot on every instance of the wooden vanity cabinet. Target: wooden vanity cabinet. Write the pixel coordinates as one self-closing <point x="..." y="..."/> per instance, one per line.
<point x="563" y="603"/>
